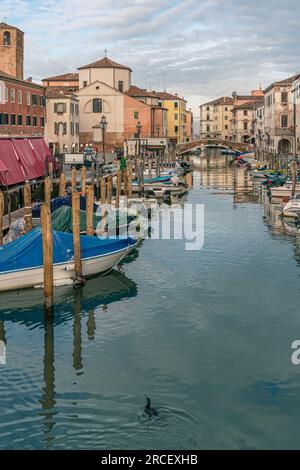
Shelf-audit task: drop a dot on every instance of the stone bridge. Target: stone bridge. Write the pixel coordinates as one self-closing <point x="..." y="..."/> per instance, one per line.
<point x="241" y="146"/>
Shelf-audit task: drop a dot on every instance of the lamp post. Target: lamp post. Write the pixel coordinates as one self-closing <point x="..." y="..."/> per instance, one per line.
<point x="103" y="127"/>
<point x="139" y="156"/>
<point x="138" y="131"/>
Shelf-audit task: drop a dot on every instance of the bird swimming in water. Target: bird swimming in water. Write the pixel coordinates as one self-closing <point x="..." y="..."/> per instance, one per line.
<point x="148" y="408"/>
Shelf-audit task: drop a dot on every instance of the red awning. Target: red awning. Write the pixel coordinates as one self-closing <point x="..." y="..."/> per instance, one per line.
<point x="23" y="159"/>
<point x="9" y="158"/>
<point x="33" y="166"/>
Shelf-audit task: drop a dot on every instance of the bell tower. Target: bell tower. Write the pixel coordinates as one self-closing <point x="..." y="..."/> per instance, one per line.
<point x="11" y="50"/>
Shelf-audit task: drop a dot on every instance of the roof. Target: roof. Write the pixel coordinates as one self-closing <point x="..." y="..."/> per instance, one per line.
<point x="164" y="95"/>
<point x="286" y="81"/>
<point x="15" y="79"/>
<point x="65" y="76"/>
<point x="250" y="104"/>
<point x="222" y="100"/>
<point x="104" y="63"/>
<point x="4" y="25"/>
<point x="60" y="92"/>
<point x="247" y="97"/>
<point x="135" y="91"/>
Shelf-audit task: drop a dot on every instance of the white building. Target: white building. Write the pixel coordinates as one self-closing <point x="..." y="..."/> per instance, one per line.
<point x="62" y="121"/>
<point x="296" y="101"/>
<point x="279" y="117"/>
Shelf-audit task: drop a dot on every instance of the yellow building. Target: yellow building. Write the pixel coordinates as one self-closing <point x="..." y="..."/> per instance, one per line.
<point x="215" y="118"/>
<point x="177" y="116"/>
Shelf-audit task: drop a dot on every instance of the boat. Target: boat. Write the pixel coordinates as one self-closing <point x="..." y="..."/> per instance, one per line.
<point x="285" y="190"/>
<point x="21" y="261"/>
<point x="292" y="208"/>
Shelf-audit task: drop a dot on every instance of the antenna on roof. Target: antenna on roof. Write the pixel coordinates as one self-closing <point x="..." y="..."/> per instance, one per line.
<point x="105" y="52"/>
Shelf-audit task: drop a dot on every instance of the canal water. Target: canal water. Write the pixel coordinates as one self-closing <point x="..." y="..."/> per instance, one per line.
<point x="205" y="334"/>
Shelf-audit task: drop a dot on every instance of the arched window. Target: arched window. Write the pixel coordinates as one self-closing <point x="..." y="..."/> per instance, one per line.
<point x="6" y="38"/>
<point x="97" y="105"/>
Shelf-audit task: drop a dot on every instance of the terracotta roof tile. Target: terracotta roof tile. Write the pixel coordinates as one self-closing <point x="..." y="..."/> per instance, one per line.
<point x="104" y="63"/>
<point x="65" y="76"/>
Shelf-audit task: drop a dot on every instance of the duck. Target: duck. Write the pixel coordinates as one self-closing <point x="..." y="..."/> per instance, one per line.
<point x="148" y="408"/>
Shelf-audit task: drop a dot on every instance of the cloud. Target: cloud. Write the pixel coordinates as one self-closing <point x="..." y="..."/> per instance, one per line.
<point x="205" y="48"/>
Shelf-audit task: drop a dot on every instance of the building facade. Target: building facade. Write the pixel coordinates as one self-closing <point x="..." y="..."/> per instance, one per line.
<point x="279" y="117"/>
<point x="62" y="121"/>
<point x="189" y="125"/>
<point x="11" y="50"/>
<point x="176" y="107"/>
<point x="215" y="118"/>
<point x="22" y="102"/>
<point x="242" y="122"/>
<point x="296" y="101"/>
<point x="259" y="125"/>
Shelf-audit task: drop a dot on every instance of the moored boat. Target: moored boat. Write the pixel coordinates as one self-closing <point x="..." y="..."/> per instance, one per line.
<point x="292" y="208"/>
<point x="21" y="261"/>
<point x="285" y="190"/>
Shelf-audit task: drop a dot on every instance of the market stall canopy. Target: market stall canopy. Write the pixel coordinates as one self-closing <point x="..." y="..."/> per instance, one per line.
<point x="23" y="159"/>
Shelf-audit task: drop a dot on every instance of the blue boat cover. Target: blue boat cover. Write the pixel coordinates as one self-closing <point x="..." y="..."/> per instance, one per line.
<point x="27" y="251"/>
<point x="58" y="202"/>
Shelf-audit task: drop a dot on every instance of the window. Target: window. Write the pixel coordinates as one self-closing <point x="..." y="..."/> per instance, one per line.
<point x="72" y="108"/>
<point x="28" y="102"/>
<point x="42" y="121"/>
<point x="65" y="128"/>
<point x="245" y="112"/>
<point x="6" y="38"/>
<point x="226" y="118"/>
<point x="284" y="120"/>
<point x="207" y="117"/>
<point x="226" y="126"/>
<point x="19" y="97"/>
<point x="97" y="105"/>
<point x="72" y="128"/>
<point x="120" y="86"/>
<point x="43" y="101"/>
<point x="60" y="108"/>
<point x="77" y="128"/>
<point x="207" y="109"/>
<point x="20" y="120"/>
<point x="176" y="129"/>
<point x="284" y="97"/>
<point x="6" y="94"/>
<point x="12" y="119"/>
<point x="3" y="119"/>
<point x="12" y="95"/>
<point x="207" y="129"/>
<point x="28" y="121"/>
<point x="176" y="116"/>
<point x="136" y="114"/>
<point x="34" y="121"/>
<point x="34" y="100"/>
<point x="176" y="104"/>
<point x="55" y="128"/>
<point x="85" y="83"/>
<point x="226" y="109"/>
<point x="245" y="126"/>
<point x="76" y="109"/>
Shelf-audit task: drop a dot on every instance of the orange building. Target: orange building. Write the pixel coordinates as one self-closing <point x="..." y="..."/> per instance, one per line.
<point x="142" y="106"/>
<point x="68" y="80"/>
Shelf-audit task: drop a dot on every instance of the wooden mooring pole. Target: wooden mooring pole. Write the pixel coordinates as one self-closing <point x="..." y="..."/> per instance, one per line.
<point x="47" y="237"/>
<point x="293" y="168"/>
<point x="89" y="210"/>
<point x="118" y="189"/>
<point x="62" y="185"/>
<point x="47" y="190"/>
<point x="76" y="237"/>
<point x="129" y="184"/>
<point x="1" y="216"/>
<point x="27" y="208"/>
<point x="83" y="181"/>
<point x="73" y="179"/>
<point x="109" y="188"/>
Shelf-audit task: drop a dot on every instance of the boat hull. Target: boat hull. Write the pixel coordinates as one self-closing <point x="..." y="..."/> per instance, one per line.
<point x="63" y="273"/>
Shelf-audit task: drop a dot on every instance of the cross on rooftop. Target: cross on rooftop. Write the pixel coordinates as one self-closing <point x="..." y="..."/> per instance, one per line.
<point x="105" y="52"/>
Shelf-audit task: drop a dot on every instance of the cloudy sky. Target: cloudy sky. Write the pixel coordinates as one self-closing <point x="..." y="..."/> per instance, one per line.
<point x="205" y="48"/>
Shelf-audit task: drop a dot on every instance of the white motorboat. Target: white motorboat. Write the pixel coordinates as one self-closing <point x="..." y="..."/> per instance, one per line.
<point x="285" y="190"/>
<point x="292" y="208"/>
<point x="21" y="261"/>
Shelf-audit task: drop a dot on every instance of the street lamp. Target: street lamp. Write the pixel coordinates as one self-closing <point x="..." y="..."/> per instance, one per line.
<point x="103" y="127"/>
<point x="138" y="131"/>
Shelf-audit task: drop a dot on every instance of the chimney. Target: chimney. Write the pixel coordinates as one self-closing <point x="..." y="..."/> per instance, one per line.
<point x="29" y="79"/>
